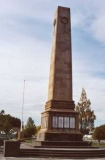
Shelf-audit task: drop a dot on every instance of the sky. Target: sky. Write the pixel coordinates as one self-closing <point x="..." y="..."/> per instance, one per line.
<point x="26" y="28"/>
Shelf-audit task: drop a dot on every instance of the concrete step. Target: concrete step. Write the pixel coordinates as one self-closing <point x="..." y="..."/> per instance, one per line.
<point x="60" y="143"/>
<point x="66" y="147"/>
<point x="75" y="153"/>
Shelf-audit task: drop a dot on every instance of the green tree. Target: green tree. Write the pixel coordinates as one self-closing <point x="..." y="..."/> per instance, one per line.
<point x="30" y="128"/>
<point x="6" y="126"/>
<point x="86" y="115"/>
<point x="7" y="121"/>
<point x="99" y="133"/>
<point x="16" y="122"/>
<point x="2" y="112"/>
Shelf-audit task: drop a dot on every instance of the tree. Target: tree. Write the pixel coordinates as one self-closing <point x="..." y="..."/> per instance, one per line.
<point x="86" y="115"/>
<point x="16" y="122"/>
<point x="30" y="128"/>
<point x="6" y="126"/>
<point x="8" y="122"/>
<point x="99" y="133"/>
<point x="2" y="112"/>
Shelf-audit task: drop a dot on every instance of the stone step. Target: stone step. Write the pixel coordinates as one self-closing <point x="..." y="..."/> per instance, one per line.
<point x="60" y="143"/>
<point x="65" y="156"/>
<point x="66" y="147"/>
<point x="62" y="149"/>
<point x="77" y="153"/>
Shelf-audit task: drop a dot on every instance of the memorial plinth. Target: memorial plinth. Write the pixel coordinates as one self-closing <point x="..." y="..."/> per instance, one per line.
<point x="59" y="121"/>
<point x="21" y="136"/>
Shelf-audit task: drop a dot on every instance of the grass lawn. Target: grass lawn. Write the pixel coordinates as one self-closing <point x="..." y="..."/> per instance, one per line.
<point x="94" y="144"/>
<point x="28" y="140"/>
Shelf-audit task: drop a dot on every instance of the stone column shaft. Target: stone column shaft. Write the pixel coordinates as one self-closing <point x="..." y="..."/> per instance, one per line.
<point x="60" y="81"/>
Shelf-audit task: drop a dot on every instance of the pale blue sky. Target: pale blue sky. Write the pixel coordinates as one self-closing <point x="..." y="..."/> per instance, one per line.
<point x="25" y="47"/>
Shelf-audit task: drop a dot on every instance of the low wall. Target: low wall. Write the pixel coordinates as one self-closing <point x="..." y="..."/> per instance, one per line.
<point x="11" y="148"/>
<point x="2" y="141"/>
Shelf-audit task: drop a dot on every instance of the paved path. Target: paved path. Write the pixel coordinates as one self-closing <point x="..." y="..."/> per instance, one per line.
<point x="25" y="146"/>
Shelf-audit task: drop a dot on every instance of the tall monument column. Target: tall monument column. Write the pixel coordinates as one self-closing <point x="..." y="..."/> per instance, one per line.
<point x="59" y="121"/>
<point x="60" y="83"/>
<point x="60" y="80"/>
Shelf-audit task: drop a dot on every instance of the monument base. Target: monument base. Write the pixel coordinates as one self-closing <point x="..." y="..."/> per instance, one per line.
<point x="59" y="125"/>
<point x="59" y="136"/>
<point x="20" y="136"/>
<point x="59" y="139"/>
<point x="60" y="144"/>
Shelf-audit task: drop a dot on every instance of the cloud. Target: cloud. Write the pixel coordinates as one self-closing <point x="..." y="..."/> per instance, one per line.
<point x="97" y="28"/>
<point x="90" y="18"/>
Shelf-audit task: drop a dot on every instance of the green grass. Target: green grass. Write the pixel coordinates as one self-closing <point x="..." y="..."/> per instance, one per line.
<point x="28" y="140"/>
<point x="98" y="145"/>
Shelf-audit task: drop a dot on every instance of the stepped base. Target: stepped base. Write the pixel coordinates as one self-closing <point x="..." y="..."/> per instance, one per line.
<point x="59" y="136"/>
<point x="60" y="143"/>
<point x="63" y="153"/>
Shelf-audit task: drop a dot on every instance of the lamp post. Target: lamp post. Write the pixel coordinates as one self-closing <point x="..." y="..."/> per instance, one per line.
<point x="22" y="107"/>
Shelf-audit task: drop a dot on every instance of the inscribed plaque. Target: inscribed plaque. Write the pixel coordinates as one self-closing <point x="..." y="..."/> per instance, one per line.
<point x="54" y="122"/>
<point x="72" y="122"/>
<point x="66" y="122"/>
<point x="44" y="122"/>
<point x="60" y="122"/>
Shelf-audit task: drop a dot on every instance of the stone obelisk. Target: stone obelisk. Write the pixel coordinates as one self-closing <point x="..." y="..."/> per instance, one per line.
<point x="59" y="121"/>
<point x="60" y="83"/>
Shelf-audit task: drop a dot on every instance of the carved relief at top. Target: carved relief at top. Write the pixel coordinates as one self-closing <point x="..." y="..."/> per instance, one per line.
<point x="64" y="20"/>
<point x="54" y="22"/>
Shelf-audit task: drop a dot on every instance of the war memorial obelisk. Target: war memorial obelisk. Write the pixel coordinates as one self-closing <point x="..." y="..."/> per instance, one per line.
<point x="59" y="121"/>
